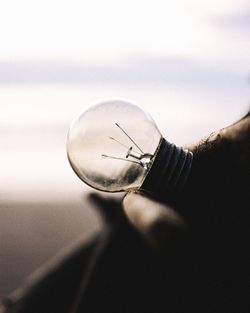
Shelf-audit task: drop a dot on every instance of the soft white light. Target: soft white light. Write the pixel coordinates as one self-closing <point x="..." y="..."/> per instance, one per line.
<point x="100" y="30"/>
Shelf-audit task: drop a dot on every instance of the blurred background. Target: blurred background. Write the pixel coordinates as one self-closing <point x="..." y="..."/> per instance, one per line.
<point x="185" y="62"/>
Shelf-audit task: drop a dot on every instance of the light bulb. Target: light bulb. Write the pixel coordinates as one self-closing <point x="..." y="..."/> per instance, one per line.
<point x="115" y="146"/>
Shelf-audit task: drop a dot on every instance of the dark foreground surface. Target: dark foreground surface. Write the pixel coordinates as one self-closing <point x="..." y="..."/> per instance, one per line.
<point x="117" y="271"/>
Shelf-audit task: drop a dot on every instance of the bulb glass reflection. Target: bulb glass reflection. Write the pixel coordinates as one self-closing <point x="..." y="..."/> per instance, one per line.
<point x="112" y="145"/>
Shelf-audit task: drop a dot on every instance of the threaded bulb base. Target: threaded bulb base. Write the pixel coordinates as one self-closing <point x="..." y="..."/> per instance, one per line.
<point x="169" y="171"/>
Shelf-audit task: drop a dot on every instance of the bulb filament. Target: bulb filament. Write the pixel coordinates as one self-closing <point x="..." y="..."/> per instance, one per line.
<point x="144" y="159"/>
<point x="129" y="137"/>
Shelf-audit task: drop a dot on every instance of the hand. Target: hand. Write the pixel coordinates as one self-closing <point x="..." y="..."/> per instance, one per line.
<point x="215" y="202"/>
<point x="203" y="235"/>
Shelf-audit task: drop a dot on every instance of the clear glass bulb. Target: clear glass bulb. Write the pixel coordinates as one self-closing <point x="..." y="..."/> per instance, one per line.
<point x="112" y="146"/>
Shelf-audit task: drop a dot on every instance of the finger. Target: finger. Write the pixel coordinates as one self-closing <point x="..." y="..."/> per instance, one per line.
<point x="160" y="224"/>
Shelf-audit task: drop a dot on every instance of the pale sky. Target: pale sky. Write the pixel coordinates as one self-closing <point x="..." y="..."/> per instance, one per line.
<point x="95" y="31"/>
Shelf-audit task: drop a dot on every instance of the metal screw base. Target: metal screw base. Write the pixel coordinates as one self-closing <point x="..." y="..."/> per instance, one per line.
<point x="169" y="170"/>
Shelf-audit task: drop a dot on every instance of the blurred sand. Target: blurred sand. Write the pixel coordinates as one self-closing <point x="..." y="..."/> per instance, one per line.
<point x="32" y="233"/>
